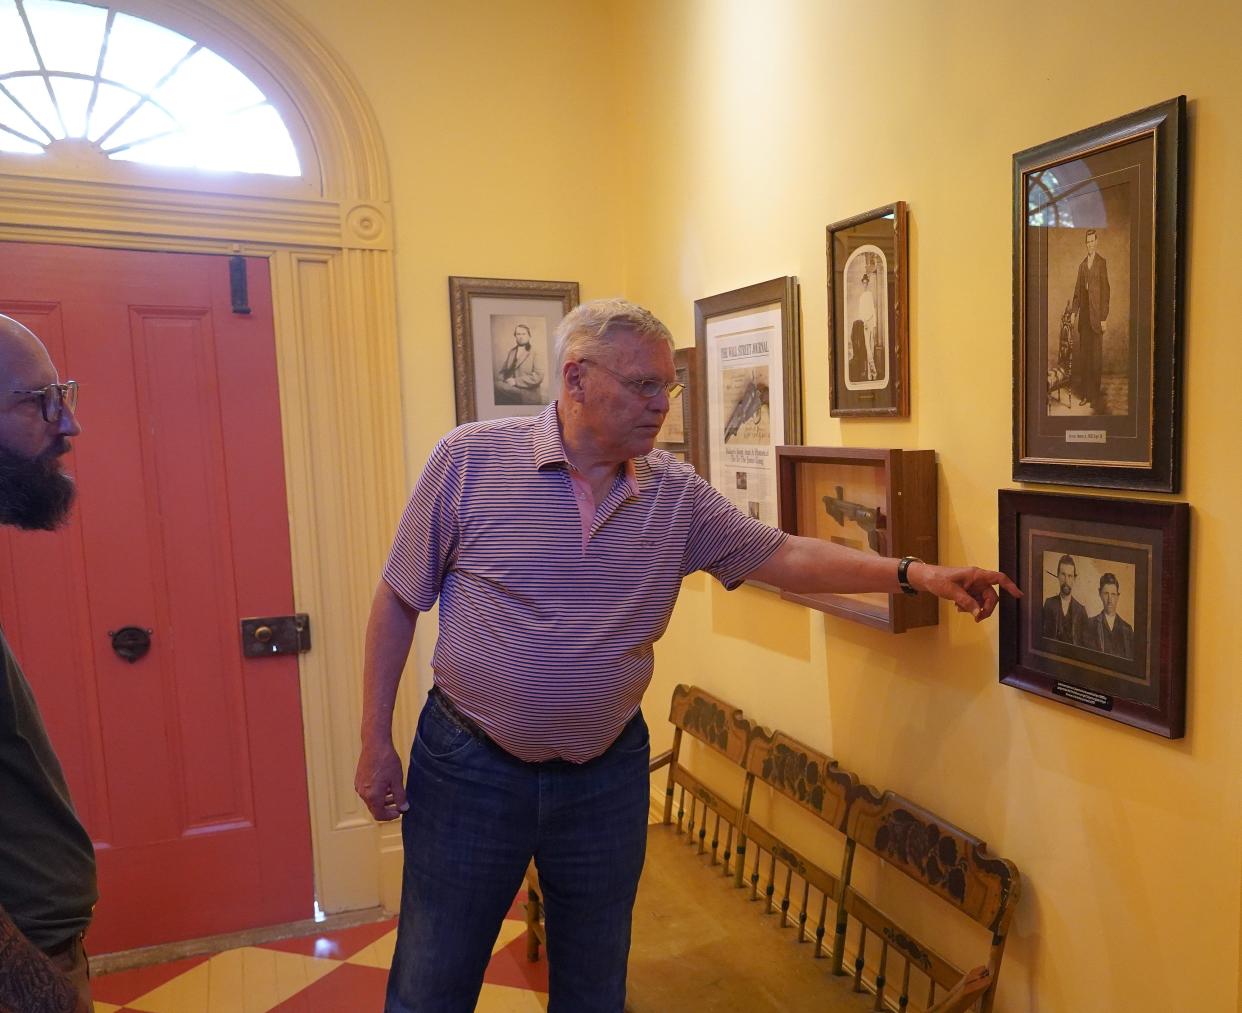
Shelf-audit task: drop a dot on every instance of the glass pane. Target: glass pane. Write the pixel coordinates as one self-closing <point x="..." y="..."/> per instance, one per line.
<point x="252" y="141"/>
<point x="12" y="116"/>
<point x="31" y="92"/>
<point x="15" y="51"/>
<point x="146" y="122"/>
<point x="69" y="35"/>
<point x="204" y="86"/>
<point x="11" y="142"/>
<point x="140" y="53"/>
<point x="73" y="96"/>
<point x="111" y="103"/>
<point x="176" y="150"/>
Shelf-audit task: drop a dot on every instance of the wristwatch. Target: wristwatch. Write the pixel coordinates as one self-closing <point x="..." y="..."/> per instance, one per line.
<point x="902" y="567"/>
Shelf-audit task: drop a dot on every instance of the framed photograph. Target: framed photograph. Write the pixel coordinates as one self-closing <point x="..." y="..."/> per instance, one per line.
<point x="750" y="389"/>
<point x="1101" y="625"/>
<point x="1098" y="233"/>
<point x="502" y="344"/>
<point x="680" y="433"/>
<point x="868" y="315"/>
<point x="878" y="501"/>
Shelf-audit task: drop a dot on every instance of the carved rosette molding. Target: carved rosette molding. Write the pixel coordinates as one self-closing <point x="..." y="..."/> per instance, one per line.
<point x="329" y="241"/>
<point x="365" y="227"/>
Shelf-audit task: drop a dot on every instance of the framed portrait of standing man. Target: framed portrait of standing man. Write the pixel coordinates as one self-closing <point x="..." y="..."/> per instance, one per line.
<point x="1098" y="235"/>
<point x="868" y="315"/>
<point x="502" y="344"/>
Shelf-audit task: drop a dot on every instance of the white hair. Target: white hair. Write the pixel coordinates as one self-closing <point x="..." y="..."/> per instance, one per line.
<point x="593" y="326"/>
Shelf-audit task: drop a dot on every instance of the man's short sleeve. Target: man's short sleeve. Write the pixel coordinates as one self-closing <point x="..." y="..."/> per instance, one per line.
<point x="426" y="539"/>
<point x="724" y="541"/>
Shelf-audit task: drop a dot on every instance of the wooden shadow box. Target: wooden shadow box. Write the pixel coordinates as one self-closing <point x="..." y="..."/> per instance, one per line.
<point x="879" y="501"/>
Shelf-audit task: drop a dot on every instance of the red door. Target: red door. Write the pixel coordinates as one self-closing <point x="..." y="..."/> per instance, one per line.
<point x="188" y="765"/>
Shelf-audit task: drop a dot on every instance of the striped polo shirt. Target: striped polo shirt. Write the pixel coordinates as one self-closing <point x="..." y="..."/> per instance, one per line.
<point x="546" y="638"/>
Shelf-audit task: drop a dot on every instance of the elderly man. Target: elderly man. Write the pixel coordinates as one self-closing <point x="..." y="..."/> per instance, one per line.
<point x="47" y="864"/>
<point x="557" y="545"/>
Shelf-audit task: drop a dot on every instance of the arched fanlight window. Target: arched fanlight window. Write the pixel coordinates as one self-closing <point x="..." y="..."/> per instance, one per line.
<point x="74" y="74"/>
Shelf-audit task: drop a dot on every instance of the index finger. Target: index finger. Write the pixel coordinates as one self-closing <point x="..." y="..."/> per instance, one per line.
<point x="996" y="577"/>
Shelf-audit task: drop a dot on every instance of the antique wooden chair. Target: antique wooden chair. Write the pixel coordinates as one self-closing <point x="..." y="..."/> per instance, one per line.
<point x="949" y="863"/>
<point x="817" y="784"/>
<point x="722" y="727"/>
<point x="695" y="946"/>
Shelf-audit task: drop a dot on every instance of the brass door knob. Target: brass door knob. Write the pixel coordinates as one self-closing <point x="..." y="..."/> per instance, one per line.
<point x="263" y="634"/>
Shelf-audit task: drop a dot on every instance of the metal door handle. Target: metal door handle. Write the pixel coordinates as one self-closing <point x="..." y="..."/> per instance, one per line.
<point x="131" y="642"/>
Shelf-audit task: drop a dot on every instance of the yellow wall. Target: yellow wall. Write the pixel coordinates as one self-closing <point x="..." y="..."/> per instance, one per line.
<point x="756" y="125"/>
<point x="677" y="149"/>
<point x="500" y="129"/>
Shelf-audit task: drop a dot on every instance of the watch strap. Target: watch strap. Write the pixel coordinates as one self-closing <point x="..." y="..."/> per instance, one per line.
<point x="902" y="566"/>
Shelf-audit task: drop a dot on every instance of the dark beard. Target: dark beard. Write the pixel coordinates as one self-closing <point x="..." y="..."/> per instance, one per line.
<point x="35" y="494"/>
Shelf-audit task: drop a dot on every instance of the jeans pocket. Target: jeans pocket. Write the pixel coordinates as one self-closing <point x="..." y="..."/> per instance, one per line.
<point x="634" y="738"/>
<point x="440" y="737"/>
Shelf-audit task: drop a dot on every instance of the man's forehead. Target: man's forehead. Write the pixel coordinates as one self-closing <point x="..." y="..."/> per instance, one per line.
<point x="22" y="355"/>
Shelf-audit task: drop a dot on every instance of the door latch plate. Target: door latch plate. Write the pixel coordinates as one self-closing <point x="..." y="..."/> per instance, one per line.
<point x="265" y="636"/>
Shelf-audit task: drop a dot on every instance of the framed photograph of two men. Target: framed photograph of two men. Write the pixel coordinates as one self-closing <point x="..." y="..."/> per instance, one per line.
<point x="868" y="315"/>
<point x="1098" y="235"/>
<point x="1101" y="625"/>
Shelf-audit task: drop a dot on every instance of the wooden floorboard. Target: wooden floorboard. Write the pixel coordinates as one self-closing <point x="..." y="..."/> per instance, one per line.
<point x="700" y="944"/>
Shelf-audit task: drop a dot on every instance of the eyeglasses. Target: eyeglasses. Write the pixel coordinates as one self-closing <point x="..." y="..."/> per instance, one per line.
<point x="55" y="398"/>
<point x="645" y="388"/>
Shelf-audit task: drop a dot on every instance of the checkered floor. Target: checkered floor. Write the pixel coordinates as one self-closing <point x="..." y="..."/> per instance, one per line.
<point x="341" y="972"/>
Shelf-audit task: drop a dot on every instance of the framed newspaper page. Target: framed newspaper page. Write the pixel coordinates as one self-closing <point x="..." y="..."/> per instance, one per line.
<point x="749" y="400"/>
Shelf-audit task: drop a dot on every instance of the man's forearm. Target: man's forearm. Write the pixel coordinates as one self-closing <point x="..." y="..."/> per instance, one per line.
<point x="28" y="980"/>
<point x="814" y="565"/>
<point x="390" y="631"/>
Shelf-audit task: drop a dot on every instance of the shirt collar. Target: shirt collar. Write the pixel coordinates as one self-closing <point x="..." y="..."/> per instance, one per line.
<point x="549" y="447"/>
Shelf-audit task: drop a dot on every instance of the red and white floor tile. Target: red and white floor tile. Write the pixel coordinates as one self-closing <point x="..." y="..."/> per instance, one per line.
<point x="340" y="972"/>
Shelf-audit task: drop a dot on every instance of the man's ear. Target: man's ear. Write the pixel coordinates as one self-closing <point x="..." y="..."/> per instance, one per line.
<point x="572" y="376"/>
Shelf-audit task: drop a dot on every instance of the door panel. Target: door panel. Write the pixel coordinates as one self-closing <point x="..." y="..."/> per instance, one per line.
<point x="187" y="765"/>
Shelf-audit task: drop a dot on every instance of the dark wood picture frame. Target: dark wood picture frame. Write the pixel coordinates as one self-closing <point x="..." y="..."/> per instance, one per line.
<point x="1098" y="350"/>
<point x="683" y="409"/>
<point x="898" y="518"/>
<point x="868" y="374"/>
<point x="539" y="305"/>
<point x="783" y="426"/>
<point x="1137" y="551"/>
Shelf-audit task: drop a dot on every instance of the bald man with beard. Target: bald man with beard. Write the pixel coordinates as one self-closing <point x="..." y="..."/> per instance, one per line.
<point x="47" y="863"/>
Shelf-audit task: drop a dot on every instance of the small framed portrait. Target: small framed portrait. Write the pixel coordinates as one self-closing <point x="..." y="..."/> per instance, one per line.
<point x="1101" y="625"/>
<point x="868" y="330"/>
<point x="1098" y="234"/>
<point x="680" y="433"/>
<point x="502" y="344"/>
<point x="749" y="397"/>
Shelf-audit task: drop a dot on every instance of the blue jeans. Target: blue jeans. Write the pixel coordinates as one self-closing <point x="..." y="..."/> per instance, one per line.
<point x="477" y="816"/>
